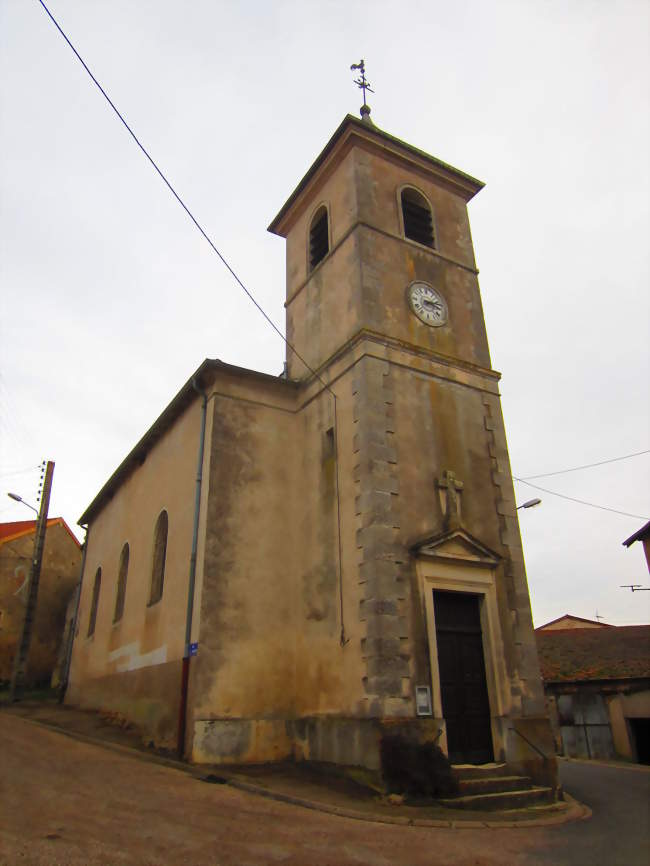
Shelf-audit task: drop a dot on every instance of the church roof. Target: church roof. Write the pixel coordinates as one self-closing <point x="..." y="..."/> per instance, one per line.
<point x="577" y="655"/>
<point x="185" y="397"/>
<point x="353" y="126"/>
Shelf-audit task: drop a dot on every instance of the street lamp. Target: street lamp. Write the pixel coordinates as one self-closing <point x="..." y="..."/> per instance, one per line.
<point x="18" y="498"/>
<point x="530" y="504"/>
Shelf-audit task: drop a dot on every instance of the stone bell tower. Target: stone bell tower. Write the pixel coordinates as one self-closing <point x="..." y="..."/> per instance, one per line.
<point x="370" y="218"/>
<point x="383" y="304"/>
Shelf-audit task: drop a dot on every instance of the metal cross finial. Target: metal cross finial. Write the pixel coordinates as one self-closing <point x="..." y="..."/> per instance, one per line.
<point x="364" y="84"/>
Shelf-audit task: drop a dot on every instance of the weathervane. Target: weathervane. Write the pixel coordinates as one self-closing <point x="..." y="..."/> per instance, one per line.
<point x="363" y="83"/>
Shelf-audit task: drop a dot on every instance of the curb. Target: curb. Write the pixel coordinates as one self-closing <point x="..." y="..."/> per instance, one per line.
<point x="575" y="812"/>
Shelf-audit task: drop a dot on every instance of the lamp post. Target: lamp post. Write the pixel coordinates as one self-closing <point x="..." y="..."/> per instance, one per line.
<point x="531" y="503"/>
<point x="22" y="653"/>
<point x="18" y="498"/>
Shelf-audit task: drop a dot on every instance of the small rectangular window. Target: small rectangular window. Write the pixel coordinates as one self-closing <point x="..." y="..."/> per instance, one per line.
<point x="121" y="584"/>
<point x="92" y="620"/>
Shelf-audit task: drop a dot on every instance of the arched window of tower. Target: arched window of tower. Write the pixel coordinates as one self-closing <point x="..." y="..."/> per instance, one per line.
<point x="417" y="217"/>
<point x="319" y="243"/>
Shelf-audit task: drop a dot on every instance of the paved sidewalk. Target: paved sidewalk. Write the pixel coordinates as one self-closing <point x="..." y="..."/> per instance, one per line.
<point x="297" y="784"/>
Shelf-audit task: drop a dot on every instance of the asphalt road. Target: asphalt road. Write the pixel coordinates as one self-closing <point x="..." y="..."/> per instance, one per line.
<point x="70" y="803"/>
<point x="618" y="833"/>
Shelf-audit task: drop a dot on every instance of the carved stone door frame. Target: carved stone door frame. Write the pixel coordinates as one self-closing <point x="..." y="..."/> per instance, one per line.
<point x="455" y="562"/>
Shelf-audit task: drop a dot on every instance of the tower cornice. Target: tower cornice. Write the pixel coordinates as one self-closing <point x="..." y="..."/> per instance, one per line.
<point x="354" y="132"/>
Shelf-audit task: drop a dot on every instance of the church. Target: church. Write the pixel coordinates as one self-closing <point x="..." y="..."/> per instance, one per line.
<point x="293" y="567"/>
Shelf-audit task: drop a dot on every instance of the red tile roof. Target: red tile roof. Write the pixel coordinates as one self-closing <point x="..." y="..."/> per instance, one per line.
<point x="18" y="528"/>
<point x="570" y="655"/>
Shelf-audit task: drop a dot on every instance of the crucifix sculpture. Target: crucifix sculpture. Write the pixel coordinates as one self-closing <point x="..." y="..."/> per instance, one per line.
<point x="450" y="489"/>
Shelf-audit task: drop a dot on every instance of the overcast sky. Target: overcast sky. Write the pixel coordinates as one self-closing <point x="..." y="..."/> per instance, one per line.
<point x="111" y="298"/>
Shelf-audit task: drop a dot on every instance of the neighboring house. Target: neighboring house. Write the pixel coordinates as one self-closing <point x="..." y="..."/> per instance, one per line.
<point x="642" y="535"/>
<point x="347" y="560"/>
<point x="59" y="577"/>
<point x="568" y="621"/>
<point x="597" y="682"/>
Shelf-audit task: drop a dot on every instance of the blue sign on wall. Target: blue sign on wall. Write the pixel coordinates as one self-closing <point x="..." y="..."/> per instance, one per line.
<point x="194" y="649"/>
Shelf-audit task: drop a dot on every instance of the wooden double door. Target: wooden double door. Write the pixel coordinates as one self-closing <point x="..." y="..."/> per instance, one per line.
<point x="463" y="683"/>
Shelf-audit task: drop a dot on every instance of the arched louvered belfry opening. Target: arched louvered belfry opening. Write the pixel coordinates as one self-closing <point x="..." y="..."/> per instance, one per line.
<point x="417" y="217"/>
<point x="319" y="237"/>
<point x="121" y="584"/>
<point x="92" y="620"/>
<point x="159" y="556"/>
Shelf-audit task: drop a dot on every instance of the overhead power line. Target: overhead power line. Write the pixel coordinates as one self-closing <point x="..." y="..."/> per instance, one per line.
<point x="19" y="471"/>
<point x="585" y="466"/>
<point x="580" y="501"/>
<point x="239" y="282"/>
<point x="182" y="203"/>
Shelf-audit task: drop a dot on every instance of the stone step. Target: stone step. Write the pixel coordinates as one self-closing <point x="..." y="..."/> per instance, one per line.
<point x="478" y="771"/>
<point x="502" y="800"/>
<point x="494" y="784"/>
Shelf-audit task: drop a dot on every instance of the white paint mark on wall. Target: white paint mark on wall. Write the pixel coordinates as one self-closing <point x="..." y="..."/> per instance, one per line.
<point x="21" y="575"/>
<point x="128" y="649"/>
<point x="132" y="660"/>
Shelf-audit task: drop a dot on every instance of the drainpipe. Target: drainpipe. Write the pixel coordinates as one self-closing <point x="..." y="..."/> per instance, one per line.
<point x="65" y="673"/>
<point x="185" y="675"/>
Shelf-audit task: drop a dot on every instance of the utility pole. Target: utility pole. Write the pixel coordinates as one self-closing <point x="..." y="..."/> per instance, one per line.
<point x="20" y="662"/>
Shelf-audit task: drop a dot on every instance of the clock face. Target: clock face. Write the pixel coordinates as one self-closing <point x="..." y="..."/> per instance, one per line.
<point x="428" y="304"/>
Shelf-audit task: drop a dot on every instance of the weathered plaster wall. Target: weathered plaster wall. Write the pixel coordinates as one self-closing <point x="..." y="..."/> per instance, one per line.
<point x="149" y="639"/>
<point x="245" y="666"/>
<point x="329" y="666"/>
<point x="247" y="609"/>
<point x="59" y="576"/>
<point x="270" y="638"/>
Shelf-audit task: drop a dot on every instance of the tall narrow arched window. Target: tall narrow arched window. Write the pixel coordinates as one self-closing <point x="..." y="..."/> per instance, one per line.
<point x="417" y="217"/>
<point x="121" y="584"/>
<point x="159" y="555"/>
<point x="319" y="237"/>
<point x="92" y="620"/>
